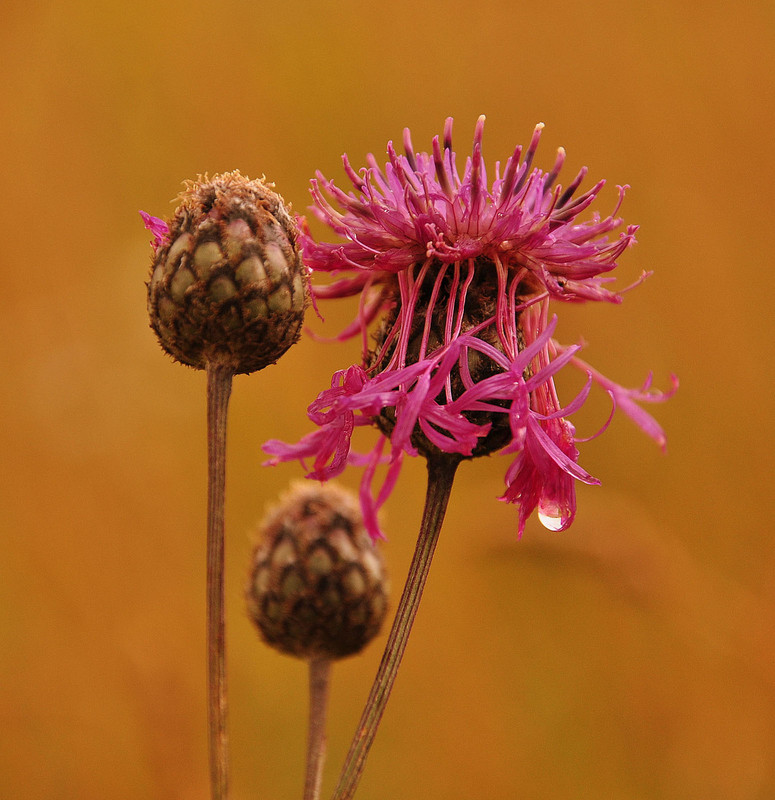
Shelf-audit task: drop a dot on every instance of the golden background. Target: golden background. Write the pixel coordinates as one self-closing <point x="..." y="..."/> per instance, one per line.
<point x="630" y="657"/>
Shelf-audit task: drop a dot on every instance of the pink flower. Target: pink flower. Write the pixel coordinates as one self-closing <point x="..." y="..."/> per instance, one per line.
<point x="158" y="227"/>
<point x="458" y="275"/>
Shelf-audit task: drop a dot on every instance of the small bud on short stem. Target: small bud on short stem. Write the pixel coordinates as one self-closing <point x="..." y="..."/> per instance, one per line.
<point x="317" y="590"/>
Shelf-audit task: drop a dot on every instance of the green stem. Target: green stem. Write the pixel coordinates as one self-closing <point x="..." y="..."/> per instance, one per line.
<point x="218" y="391"/>
<point x="441" y="473"/>
<point x="319" y="672"/>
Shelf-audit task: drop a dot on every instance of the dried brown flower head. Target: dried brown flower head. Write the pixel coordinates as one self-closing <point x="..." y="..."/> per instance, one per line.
<point x="227" y="283"/>
<point x="317" y="585"/>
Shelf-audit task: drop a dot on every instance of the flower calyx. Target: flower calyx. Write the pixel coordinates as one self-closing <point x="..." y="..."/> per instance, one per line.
<point x="227" y="282"/>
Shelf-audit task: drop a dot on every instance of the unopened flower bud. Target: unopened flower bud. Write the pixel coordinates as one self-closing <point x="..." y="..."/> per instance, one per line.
<point x="227" y="283"/>
<point x="317" y="585"/>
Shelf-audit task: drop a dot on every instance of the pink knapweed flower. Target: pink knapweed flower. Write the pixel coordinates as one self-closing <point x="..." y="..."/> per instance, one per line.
<point x="158" y="228"/>
<point x="456" y="276"/>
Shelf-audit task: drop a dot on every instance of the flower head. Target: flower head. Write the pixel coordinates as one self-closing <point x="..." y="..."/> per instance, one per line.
<point x="227" y="283"/>
<point x="456" y="275"/>
<point x="318" y="586"/>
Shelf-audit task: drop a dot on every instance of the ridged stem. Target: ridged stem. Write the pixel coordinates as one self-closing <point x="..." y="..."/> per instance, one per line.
<point x="441" y="473"/>
<point x="218" y="390"/>
<point x="319" y="672"/>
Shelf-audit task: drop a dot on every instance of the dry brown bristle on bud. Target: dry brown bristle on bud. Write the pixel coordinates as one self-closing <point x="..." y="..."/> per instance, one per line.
<point x="228" y="285"/>
<point x="317" y="586"/>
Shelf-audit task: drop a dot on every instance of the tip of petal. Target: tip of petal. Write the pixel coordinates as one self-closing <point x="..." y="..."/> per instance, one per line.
<point x="448" y="133"/>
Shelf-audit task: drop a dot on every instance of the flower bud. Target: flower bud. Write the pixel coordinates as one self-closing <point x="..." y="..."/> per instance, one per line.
<point x="227" y="283"/>
<point x="317" y="586"/>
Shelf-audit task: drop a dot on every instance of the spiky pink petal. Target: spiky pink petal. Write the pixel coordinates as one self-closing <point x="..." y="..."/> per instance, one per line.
<point x="157" y="227"/>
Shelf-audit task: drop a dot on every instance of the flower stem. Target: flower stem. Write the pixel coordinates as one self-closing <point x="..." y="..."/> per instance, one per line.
<point x="441" y="473"/>
<point x="319" y="672"/>
<point x="218" y="391"/>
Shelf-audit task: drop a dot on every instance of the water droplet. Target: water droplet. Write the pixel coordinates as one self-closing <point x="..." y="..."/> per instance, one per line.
<point x="553" y="518"/>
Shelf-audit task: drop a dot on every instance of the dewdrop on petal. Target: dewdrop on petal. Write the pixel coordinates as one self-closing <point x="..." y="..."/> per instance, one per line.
<point x="227" y="283"/>
<point x="317" y="586"/>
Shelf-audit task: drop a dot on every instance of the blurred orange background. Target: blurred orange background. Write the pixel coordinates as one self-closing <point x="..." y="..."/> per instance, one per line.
<point x="630" y="657"/>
